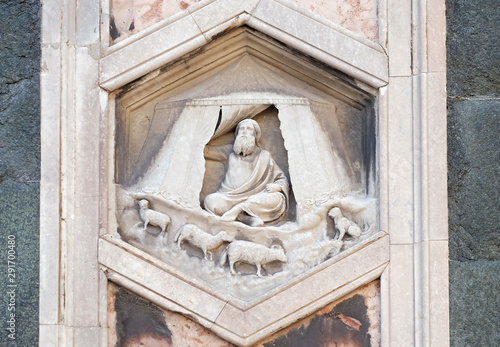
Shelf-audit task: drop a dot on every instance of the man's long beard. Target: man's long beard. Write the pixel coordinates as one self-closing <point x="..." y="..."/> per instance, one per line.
<point x="244" y="145"/>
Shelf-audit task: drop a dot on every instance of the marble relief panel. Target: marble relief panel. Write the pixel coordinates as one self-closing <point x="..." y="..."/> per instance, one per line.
<point x="245" y="179"/>
<point x="129" y="17"/>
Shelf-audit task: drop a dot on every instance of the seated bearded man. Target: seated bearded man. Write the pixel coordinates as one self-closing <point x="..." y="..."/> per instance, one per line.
<point x="254" y="190"/>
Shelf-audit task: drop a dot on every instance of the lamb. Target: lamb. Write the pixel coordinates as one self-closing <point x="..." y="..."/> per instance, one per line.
<point x="251" y="253"/>
<point x="152" y="217"/>
<point x="201" y="239"/>
<point x="344" y="225"/>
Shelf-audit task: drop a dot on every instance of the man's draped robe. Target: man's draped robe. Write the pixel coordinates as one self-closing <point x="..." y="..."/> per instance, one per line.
<point x="244" y="185"/>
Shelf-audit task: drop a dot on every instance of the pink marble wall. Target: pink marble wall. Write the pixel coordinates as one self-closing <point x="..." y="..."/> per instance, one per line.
<point x="129" y="17"/>
<point x="359" y="16"/>
<point x="132" y="16"/>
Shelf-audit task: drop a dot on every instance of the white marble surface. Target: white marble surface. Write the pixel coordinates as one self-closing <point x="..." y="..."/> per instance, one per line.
<point x="399" y="39"/>
<point x="400" y="130"/>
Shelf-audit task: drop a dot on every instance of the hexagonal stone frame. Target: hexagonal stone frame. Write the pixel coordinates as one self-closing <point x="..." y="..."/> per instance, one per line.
<point x="78" y="256"/>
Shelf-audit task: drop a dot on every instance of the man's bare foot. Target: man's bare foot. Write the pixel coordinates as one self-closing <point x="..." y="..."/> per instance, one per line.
<point x="212" y="219"/>
<point x="231" y="215"/>
<point x="225" y="218"/>
<point x="256" y="222"/>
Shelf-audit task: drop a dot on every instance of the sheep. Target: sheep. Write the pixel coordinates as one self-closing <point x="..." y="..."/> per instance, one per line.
<point x="201" y="239"/>
<point x="152" y="217"/>
<point x="344" y="225"/>
<point x="251" y="253"/>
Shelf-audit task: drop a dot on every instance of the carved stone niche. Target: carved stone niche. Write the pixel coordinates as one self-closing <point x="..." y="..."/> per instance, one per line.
<point x="251" y="221"/>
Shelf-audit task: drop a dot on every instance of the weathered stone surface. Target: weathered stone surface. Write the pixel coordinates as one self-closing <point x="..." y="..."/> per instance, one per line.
<point x="19" y="90"/>
<point x="19" y="222"/>
<point x="473" y="61"/>
<point x="473" y="54"/>
<point x="346" y="324"/>
<point x="474" y="183"/>
<point x="135" y="322"/>
<point x="351" y="321"/>
<point x="474" y="304"/>
<point x="19" y="167"/>
<point x="138" y="320"/>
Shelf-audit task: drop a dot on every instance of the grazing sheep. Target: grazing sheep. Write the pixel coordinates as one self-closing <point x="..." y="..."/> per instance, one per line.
<point x="344" y="225"/>
<point x="251" y="253"/>
<point x="152" y="217"/>
<point x="201" y="239"/>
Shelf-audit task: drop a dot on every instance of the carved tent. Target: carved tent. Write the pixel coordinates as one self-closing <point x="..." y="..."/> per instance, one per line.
<point x="242" y="90"/>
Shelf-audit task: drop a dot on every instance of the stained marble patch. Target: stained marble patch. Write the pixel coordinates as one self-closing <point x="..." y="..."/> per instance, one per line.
<point x="351" y="321"/>
<point x="133" y="321"/>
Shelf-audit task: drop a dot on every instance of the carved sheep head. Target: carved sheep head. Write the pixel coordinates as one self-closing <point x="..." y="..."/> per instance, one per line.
<point x="143" y="204"/>
<point x="225" y="237"/>
<point x="334" y="212"/>
<point x="281" y="256"/>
